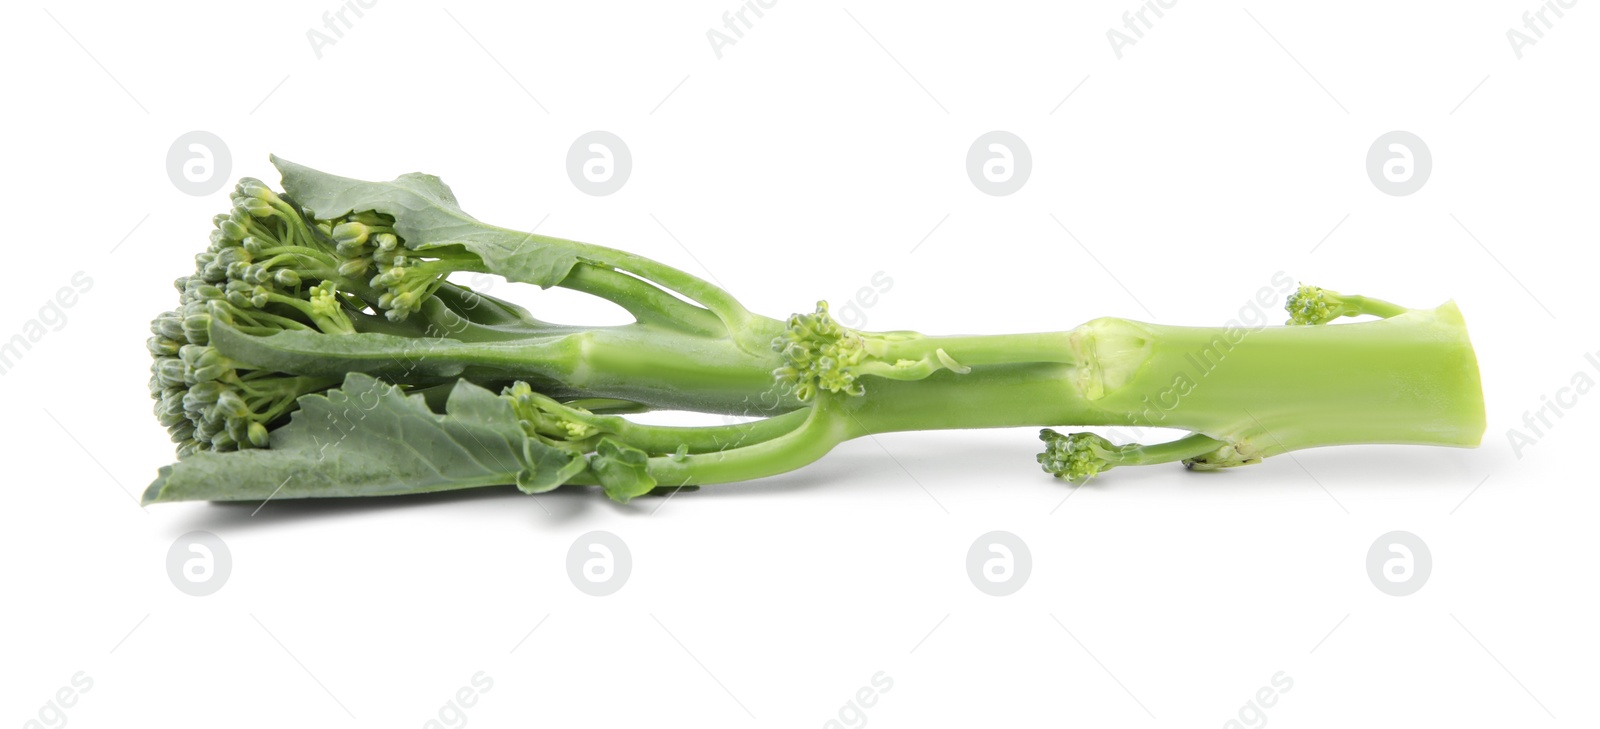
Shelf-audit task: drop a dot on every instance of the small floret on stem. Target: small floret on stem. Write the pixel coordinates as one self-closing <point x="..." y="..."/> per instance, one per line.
<point x="1078" y="457"/>
<point x="1312" y="306"/>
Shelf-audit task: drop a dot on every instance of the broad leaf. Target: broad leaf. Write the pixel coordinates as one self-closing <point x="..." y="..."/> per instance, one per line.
<point x="427" y="216"/>
<point x="368" y="438"/>
<point x="623" y="471"/>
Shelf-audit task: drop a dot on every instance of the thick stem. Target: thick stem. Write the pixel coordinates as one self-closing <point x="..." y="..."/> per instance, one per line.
<point x="661" y="368"/>
<point x="973" y="351"/>
<point x="1408" y="379"/>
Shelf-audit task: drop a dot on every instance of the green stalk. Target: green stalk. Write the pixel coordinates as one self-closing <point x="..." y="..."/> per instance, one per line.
<point x="1244" y="394"/>
<point x="661" y="368"/>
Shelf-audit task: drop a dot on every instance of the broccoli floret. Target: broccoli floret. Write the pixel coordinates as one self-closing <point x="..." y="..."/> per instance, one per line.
<point x="1312" y="306"/>
<point x="819" y="355"/>
<point x="1077" y="457"/>
<point x="273" y="267"/>
<point x="1081" y="456"/>
<point x="253" y="277"/>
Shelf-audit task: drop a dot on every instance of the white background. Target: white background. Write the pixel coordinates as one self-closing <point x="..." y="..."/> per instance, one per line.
<point x="820" y="149"/>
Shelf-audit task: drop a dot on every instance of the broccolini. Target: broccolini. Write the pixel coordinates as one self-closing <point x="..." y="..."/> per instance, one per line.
<point x="319" y="349"/>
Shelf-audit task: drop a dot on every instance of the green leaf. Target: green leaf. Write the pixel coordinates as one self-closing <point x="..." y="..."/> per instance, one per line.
<point x="368" y="438"/>
<point x="427" y="216"/>
<point x="624" y="471"/>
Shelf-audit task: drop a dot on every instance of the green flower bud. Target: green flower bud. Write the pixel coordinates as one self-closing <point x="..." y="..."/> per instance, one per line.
<point x="206" y="428"/>
<point x="168" y="416"/>
<point x="350" y="249"/>
<point x="258" y="435"/>
<point x="355" y="233"/>
<point x="286" y="278"/>
<point x="388" y="258"/>
<point x="168" y="325"/>
<point x="253" y="188"/>
<point x="164" y="347"/>
<point x="229" y="256"/>
<point x="169" y="370"/>
<point x="255" y="207"/>
<point x="230" y="405"/>
<point x="191" y="353"/>
<point x="233" y="231"/>
<point x="219" y="310"/>
<point x="203" y="394"/>
<point x="196" y="329"/>
<point x="354" y="267"/>
<point x="208" y="374"/>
